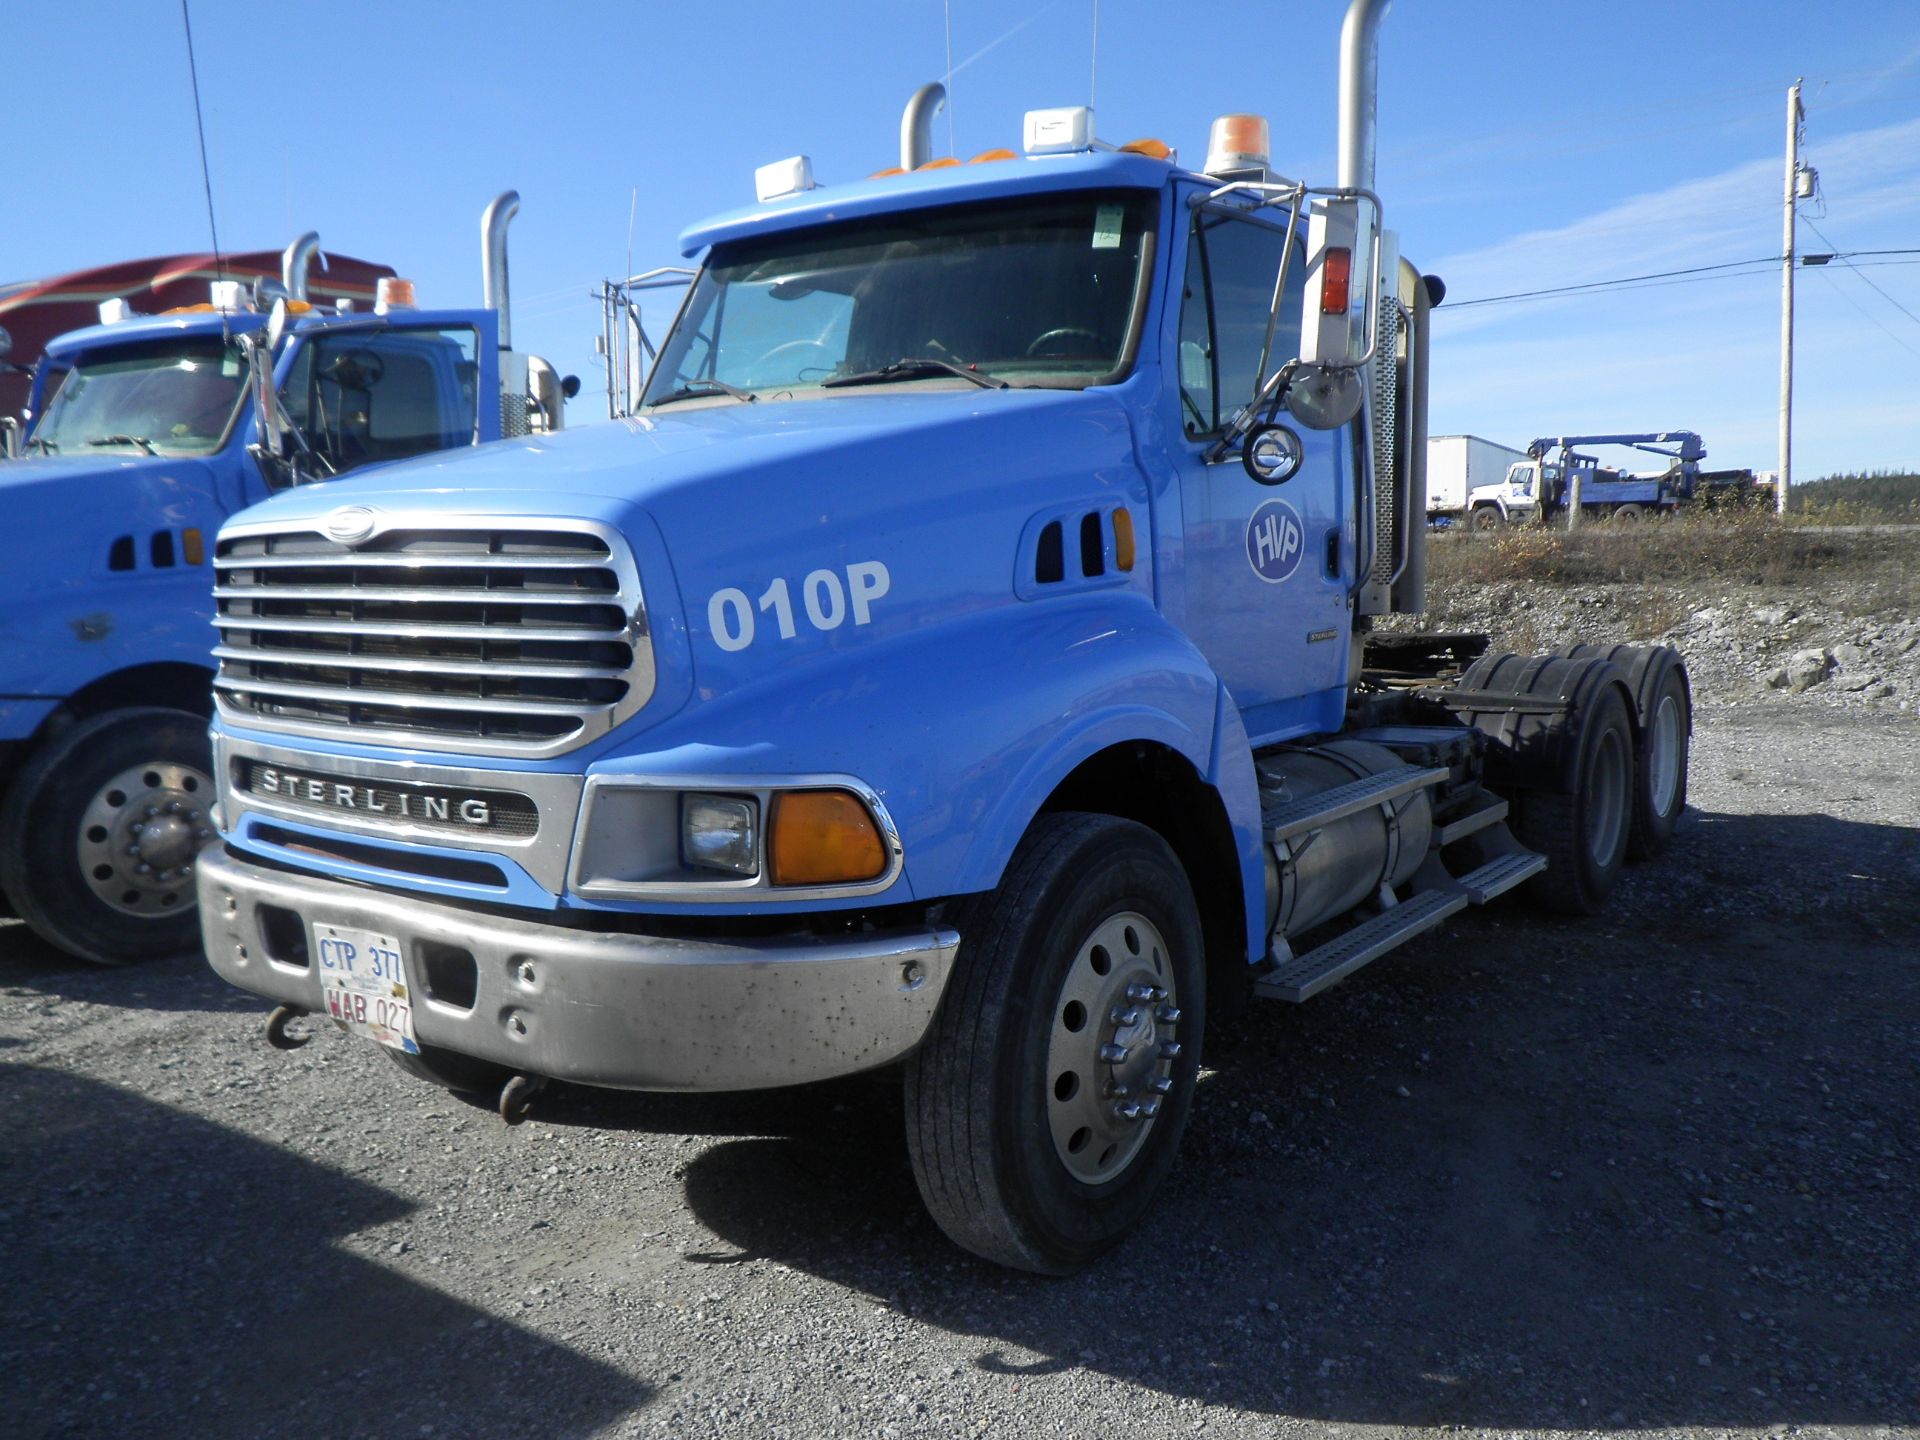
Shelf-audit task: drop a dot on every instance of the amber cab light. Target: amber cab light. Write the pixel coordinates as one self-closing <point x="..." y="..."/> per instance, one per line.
<point x="1336" y="280"/>
<point x="823" y="837"/>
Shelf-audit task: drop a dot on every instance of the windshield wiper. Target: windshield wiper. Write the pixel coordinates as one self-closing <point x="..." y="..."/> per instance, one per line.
<point x="140" y="440"/>
<point x="693" y="389"/>
<point x="916" y="367"/>
<point x="47" y="445"/>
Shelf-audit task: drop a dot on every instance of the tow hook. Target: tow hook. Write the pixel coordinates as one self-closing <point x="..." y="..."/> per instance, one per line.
<point x="517" y="1096"/>
<point x="278" y="1036"/>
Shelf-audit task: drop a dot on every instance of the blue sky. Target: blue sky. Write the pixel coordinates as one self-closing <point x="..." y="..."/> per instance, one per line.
<point x="1522" y="145"/>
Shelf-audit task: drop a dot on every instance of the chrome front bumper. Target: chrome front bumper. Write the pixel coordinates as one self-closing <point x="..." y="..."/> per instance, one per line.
<point x="630" y="1011"/>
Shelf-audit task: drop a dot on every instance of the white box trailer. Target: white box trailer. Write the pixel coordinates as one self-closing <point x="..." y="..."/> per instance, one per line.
<point x="1458" y="466"/>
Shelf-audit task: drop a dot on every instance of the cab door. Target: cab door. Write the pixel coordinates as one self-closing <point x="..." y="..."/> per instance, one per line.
<point x="1267" y="566"/>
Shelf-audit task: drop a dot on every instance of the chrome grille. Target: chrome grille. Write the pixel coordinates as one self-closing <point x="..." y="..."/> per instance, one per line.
<point x="491" y="640"/>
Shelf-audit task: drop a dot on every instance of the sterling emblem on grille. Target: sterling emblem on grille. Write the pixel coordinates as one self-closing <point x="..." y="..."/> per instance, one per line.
<point x="350" y="524"/>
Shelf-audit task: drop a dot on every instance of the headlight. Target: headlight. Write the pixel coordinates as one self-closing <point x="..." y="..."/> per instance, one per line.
<point x="720" y="832"/>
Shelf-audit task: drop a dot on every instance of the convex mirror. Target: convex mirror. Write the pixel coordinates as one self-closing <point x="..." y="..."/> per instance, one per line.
<point x="1271" y="454"/>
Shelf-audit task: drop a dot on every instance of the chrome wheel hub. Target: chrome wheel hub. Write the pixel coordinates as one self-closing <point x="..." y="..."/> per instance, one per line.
<point x="140" y="835"/>
<point x="1111" y="1051"/>
<point x="1607" y="798"/>
<point x="1663" y="754"/>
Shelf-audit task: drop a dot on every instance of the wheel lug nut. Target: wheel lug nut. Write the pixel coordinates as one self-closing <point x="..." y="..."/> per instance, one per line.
<point x="135" y="828"/>
<point x="1113" y="1054"/>
<point x="1167" y="1015"/>
<point x="143" y="868"/>
<point x="1117" y="1091"/>
<point x="1138" y="993"/>
<point x="1149" y="1109"/>
<point x="133" y="849"/>
<point x="173" y="807"/>
<point x="1129" y="1111"/>
<point x="1170" y="1050"/>
<point x="1122" y="1017"/>
<point x="202" y="833"/>
<point x="152" y="810"/>
<point x="1162" y="1086"/>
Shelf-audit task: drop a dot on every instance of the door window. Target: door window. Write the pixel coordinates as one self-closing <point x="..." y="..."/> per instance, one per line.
<point x="362" y="396"/>
<point x="1232" y="263"/>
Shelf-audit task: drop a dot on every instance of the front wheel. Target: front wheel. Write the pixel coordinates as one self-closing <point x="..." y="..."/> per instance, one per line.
<point x="100" y="831"/>
<point x="1047" y="1102"/>
<point x="1486" y="519"/>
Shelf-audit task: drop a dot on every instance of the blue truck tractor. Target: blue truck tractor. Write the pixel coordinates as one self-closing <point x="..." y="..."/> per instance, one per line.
<point x="963" y="661"/>
<point x="1575" y="486"/>
<point x="141" y="444"/>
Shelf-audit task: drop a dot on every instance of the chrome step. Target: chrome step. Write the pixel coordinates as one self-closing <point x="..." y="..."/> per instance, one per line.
<point x="1491" y="812"/>
<point x="1307" y="975"/>
<point x="1500" y="875"/>
<point x="1286" y="820"/>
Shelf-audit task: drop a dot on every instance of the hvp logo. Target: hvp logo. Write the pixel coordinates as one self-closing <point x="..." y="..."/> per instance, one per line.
<point x="1275" y="541"/>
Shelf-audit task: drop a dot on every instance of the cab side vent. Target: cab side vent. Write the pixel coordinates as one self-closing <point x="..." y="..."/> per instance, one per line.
<point x="1093" y="545"/>
<point x="1049" y="561"/>
<point x="120" y="554"/>
<point x="160" y="549"/>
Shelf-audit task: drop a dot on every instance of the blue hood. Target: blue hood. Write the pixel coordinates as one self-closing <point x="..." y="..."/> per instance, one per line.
<point x="723" y="503"/>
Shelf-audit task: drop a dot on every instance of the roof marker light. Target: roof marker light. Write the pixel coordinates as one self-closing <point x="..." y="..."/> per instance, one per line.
<point x="987" y="157"/>
<point x="791" y="176"/>
<point x="113" y="311"/>
<point x="1153" y="149"/>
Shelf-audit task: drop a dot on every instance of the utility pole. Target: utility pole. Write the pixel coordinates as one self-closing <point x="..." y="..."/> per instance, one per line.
<point x="1795" y="118"/>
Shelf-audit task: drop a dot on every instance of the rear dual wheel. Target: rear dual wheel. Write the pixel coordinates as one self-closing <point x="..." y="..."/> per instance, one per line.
<point x="1046" y="1104"/>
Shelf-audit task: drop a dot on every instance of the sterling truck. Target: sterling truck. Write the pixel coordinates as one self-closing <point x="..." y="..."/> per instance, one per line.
<point x="141" y="444"/>
<point x="963" y="662"/>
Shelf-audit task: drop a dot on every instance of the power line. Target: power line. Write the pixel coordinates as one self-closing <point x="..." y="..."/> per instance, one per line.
<point x="1869" y="315"/>
<point x="1690" y="275"/>
<point x="200" y="124"/>
<point x="1611" y="284"/>
<point x="1842" y="258"/>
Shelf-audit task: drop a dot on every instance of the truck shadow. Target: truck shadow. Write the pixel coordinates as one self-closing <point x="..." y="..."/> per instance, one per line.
<point x="1653" y="1171"/>
<point x="176" y="982"/>
<point x="159" y="1267"/>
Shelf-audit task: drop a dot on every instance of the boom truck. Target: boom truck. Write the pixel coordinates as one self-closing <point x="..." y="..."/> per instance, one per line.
<point x="1576" y="485"/>
<point x="141" y="444"/>
<point x="962" y="662"/>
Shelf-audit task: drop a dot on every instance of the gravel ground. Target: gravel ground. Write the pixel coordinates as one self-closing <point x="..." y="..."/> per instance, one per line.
<point x="1652" y="1174"/>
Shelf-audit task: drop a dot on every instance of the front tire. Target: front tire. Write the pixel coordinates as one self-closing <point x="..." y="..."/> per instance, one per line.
<point x="1045" y="1106"/>
<point x="100" y="831"/>
<point x="1486" y="519"/>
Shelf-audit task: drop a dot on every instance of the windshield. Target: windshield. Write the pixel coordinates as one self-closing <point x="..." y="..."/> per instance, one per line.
<point x="1042" y="292"/>
<point x="161" y="397"/>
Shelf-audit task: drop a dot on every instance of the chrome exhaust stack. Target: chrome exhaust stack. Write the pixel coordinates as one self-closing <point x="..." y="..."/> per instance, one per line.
<point x="493" y="260"/>
<point x="916" y="125"/>
<point x="1359" y="90"/>
<point x="296" y="260"/>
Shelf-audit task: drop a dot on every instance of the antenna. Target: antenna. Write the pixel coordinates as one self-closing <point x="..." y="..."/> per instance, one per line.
<point x="948" y="10"/>
<point x="206" y="174"/>
<point x="1093" y="77"/>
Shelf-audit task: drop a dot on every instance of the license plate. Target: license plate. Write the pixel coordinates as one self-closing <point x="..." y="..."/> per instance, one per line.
<point x="363" y="982"/>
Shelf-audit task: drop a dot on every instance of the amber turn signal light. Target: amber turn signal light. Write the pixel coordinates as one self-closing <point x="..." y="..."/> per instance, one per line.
<point x="823" y="837"/>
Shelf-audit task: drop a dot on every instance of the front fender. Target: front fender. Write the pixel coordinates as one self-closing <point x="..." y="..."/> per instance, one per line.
<point x="965" y="729"/>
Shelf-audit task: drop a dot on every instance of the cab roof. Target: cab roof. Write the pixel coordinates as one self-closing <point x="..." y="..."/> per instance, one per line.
<point x="948" y="185"/>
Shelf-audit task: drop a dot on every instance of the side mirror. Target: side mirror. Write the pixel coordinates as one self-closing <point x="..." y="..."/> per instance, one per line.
<point x="570" y="386"/>
<point x="1322" y="398"/>
<point x="1339" y="325"/>
<point x="270" y="419"/>
<point x="1271" y="454"/>
<point x="276" y="328"/>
